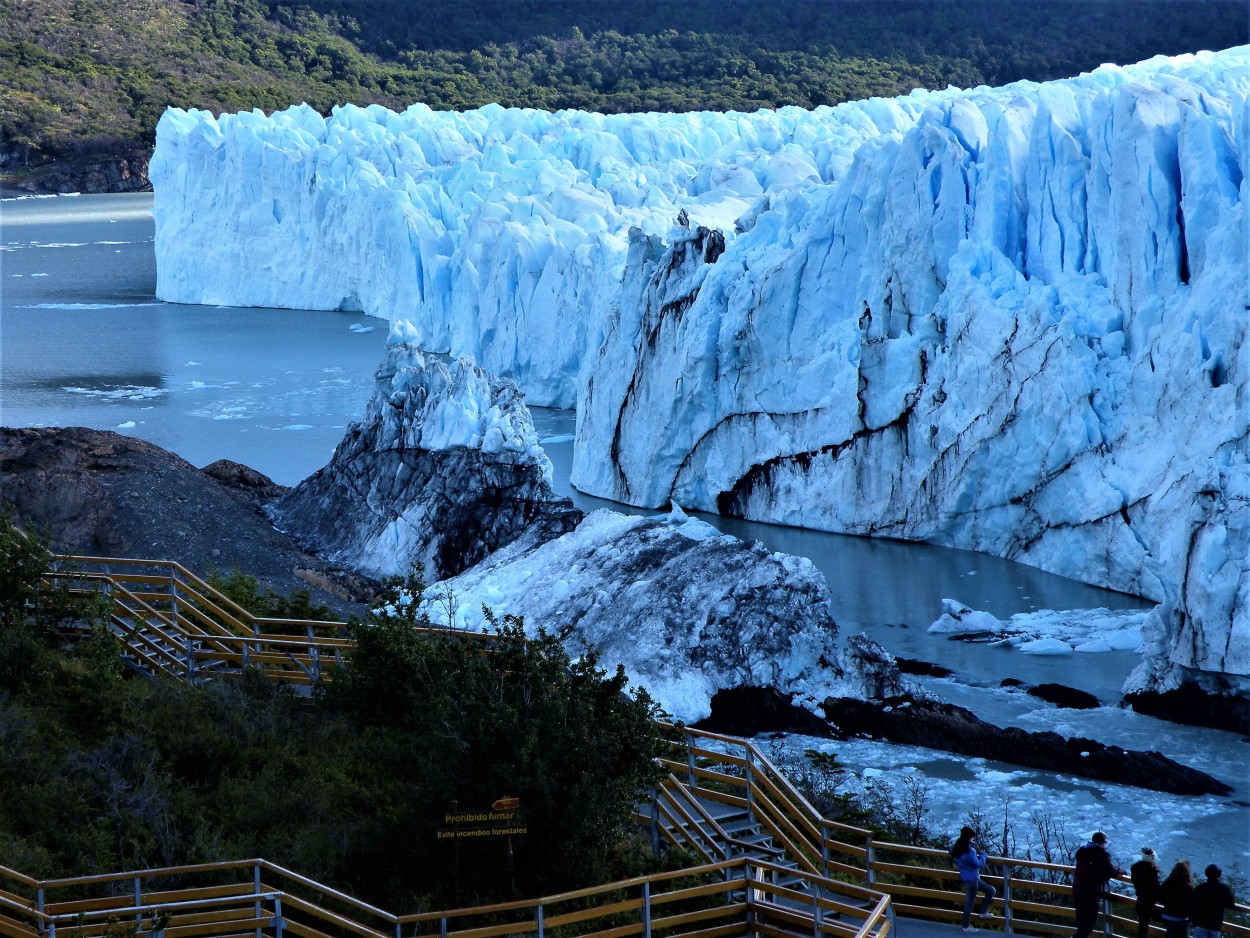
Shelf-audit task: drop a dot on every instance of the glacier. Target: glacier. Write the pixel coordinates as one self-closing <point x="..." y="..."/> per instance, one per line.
<point x="1005" y="319"/>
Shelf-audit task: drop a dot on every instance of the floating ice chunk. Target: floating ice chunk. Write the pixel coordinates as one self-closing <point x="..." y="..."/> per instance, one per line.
<point x="1045" y="646"/>
<point x="958" y="619"/>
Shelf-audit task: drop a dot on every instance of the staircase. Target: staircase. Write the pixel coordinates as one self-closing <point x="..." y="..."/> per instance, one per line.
<point x="768" y="865"/>
<point x="725" y="800"/>
<point x="169" y="621"/>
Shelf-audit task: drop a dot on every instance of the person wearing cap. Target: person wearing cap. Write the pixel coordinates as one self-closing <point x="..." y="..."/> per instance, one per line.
<point x="1089" y="880"/>
<point x="1145" y="876"/>
<point x="970" y="861"/>
<point x="1207" y="904"/>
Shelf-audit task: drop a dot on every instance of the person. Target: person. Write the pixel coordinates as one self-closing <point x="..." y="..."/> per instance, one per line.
<point x="1145" y="876"/>
<point x="1093" y="869"/>
<point x="970" y="861"/>
<point x="1208" y="902"/>
<point x="1174" y="894"/>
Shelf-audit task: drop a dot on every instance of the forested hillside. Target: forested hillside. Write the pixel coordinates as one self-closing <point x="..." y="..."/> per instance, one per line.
<point x="80" y="78"/>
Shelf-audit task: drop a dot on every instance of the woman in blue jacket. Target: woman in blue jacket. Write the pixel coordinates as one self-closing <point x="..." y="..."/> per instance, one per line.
<point x="970" y="861"/>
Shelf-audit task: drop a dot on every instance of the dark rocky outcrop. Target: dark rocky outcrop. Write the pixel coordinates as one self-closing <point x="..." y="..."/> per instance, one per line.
<point x="99" y="493"/>
<point x="1063" y="696"/>
<point x="750" y="711"/>
<point x="124" y="172"/>
<point x="443" y="470"/>
<point x="955" y="729"/>
<point x="1191" y="705"/>
<point x="922" y="668"/>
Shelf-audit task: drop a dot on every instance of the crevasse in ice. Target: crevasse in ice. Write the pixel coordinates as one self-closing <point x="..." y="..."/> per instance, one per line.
<point x="1006" y="319"/>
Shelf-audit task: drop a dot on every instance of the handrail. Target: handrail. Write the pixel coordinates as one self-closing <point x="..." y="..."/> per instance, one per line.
<point x="767" y="795"/>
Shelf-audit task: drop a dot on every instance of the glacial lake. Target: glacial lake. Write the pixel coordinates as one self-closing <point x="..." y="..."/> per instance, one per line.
<point x="84" y="342"/>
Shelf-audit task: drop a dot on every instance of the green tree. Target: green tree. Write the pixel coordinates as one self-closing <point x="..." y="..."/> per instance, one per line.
<point x="34" y="607"/>
<point x="455" y="722"/>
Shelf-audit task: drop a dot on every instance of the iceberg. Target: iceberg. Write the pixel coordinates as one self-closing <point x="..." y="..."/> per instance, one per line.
<point x="686" y="614"/>
<point x="1005" y="319"/>
<point x="444" y="468"/>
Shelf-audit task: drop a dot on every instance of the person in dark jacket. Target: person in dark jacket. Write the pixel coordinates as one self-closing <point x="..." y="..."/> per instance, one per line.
<point x="1207" y="904"/>
<point x="970" y="861"/>
<point x="1174" y="894"/>
<point x="1145" y="876"/>
<point x="1093" y="869"/>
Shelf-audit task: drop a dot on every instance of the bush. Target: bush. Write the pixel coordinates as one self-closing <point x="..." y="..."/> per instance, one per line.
<point x="457" y="723"/>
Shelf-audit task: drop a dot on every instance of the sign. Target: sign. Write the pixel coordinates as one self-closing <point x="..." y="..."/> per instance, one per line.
<point x="503" y="819"/>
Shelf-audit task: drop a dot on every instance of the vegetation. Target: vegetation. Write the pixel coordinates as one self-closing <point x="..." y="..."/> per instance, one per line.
<point x="82" y="77"/>
<point x="247" y="592"/>
<point x="104" y="772"/>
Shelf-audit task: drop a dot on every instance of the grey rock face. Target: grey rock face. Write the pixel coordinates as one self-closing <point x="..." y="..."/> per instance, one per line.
<point x="443" y="470"/>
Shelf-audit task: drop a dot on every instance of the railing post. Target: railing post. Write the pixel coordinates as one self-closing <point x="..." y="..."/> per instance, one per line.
<point x="315" y="654"/>
<point x="817" y="916"/>
<point x="256" y="893"/>
<point x="277" y="917"/>
<point x="139" y="901"/>
<point x="399" y="930"/>
<point x="39" y="908"/>
<point x="749" y="773"/>
<point x="824" y="849"/>
<point x="442" y="926"/>
<point x="870" y="860"/>
<point x="538" y="920"/>
<point x="690" y="777"/>
<point x="748" y="897"/>
<point x="1108" y="930"/>
<point x="189" y="649"/>
<point x="646" y="910"/>
<point x="655" y="820"/>
<point x="173" y="596"/>
<point x="1007" y="915"/>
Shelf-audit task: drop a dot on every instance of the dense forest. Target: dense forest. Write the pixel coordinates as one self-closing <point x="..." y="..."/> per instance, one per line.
<point x="90" y="77"/>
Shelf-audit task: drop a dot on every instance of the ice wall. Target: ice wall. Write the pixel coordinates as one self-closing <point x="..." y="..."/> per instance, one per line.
<point x="1019" y="328"/>
<point x="1006" y="319"/>
<point x="500" y="233"/>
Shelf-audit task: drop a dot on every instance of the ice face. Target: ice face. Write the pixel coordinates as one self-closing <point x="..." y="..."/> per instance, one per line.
<point x="500" y="233"/>
<point x="1010" y="319"/>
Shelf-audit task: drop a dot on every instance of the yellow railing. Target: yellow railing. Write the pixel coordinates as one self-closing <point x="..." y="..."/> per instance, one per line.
<point x="1033" y="898"/>
<point x="175" y="622"/>
<point x="844" y="882"/>
<point x="254" y="897"/>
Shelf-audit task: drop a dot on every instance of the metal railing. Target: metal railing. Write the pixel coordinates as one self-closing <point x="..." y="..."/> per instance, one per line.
<point x="1034" y="897"/>
<point x="802" y="875"/>
<point x="256" y="898"/>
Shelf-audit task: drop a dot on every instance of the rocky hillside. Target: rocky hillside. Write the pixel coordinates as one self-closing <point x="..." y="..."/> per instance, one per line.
<point x="99" y="493"/>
